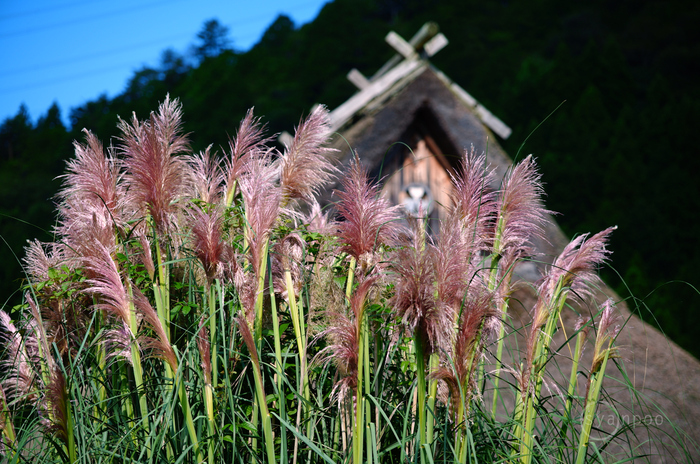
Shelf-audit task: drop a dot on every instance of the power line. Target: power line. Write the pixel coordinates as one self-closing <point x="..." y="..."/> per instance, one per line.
<point x="71" y="77"/>
<point x="45" y="10"/>
<point x="100" y="54"/>
<point x="65" y="78"/>
<point x="100" y="71"/>
<point x="121" y="12"/>
<point x="115" y="51"/>
<point x="88" y="18"/>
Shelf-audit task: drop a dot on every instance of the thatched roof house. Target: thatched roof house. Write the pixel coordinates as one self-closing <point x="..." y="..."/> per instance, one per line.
<point x="409" y="124"/>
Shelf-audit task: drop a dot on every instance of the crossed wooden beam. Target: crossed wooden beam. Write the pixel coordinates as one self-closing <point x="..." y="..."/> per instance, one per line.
<point x="411" y="58"/>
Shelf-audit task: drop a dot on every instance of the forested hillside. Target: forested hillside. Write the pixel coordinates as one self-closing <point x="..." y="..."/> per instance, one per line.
<point x="619" y="149"/>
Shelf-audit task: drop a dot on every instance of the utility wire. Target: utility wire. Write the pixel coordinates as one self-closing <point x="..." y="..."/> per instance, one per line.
<point x="130" y="10"/>
<point x="45" y="9"/>
<point x="70" y="77"/>
<point x="100" y="54"/>
<point x="115" y="51"/>
<point x="87" y="18"/>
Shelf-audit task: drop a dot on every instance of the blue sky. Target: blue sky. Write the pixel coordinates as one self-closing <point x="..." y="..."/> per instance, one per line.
<point x="71" y="51"/>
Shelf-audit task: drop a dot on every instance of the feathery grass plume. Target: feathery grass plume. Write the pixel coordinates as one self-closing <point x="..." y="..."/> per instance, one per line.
<point x="213" y="253"/>
<point x="117" y="341"/>
<point x="287" y="256"/>
<point x="577" y="265"/>
<point x="414" y="291"/>
<point x="261" y="197"/>
<point x="608" y="328"/>
<point x="368" y="219"/>
<point x="94" y="177"/>
<point x="472" y="199"/>
<point x="521" y="214"/>
<point x="304" y="166"/>
<point x="246" y="145"/>
<point x="207" y="176"/>
<point x="106" y="282"/>
<point x="146" y="254"/>
<point x="459" y="370"/>
<point x="116" y="300"/>
<point x="456" y="261"/>
<point x="92" y="203"/>
<point x="342" y="335"/>
<point x="127" y="304"/>
<point x="157" y="180"/>
<point x="18" y="376"/>
<point x="37" y="261"/>
<point x="63" y="311"/>
<point x="317" y="221"/>
<point x="209" y="247"/>
<point x="82" y="231"/>
<point x="574" y="271"/>
<point x="605" y="336"/>
<point x="415" y="298"/>
<point x="155" y="176"/>
<point x="158" y="344"/>
<point x="520" y="221"/>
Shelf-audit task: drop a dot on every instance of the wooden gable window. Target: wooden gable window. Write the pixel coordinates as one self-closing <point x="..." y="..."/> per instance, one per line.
<point x="419" y="180"/>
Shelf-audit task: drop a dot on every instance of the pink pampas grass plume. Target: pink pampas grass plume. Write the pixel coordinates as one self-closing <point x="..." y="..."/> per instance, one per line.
<point x="287" y="255"/>
<point x="156" y="177"/>
<point x="577" y="265"/>
<point x="93" y="176"/>
<point x="574" y="271"/>
<point x="261" y="197"/>
<point x="459" y="371"/>
<point x="521" y="214"/>
<point x="414" y="291"/>
<point x="207" y="240"/>
<point x="304" y="166"/>
<point x="204" y="348"/>
<point x="108" y="285"/>
<point x="18" y="374"/>
<point x="472" y="199"/>
<point x="37" y="260"/>
<point x="248" y="143"/>
<point x="608" y="328"/>
<point x="156" y="344"/>
<point x="343" y="336"/>
<point x="319" y="221"/>
<point x="369" y="220"/>
<point x="207" y="176"/>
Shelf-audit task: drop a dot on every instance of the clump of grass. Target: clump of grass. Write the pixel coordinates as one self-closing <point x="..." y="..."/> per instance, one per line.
<point x="203" y="308"/>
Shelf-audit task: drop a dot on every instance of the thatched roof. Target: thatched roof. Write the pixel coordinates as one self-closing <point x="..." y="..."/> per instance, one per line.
<point x="410" y="95"/>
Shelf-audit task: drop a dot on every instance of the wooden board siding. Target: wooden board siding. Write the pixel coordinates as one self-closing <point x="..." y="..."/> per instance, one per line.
<point x="420" y="165"/>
